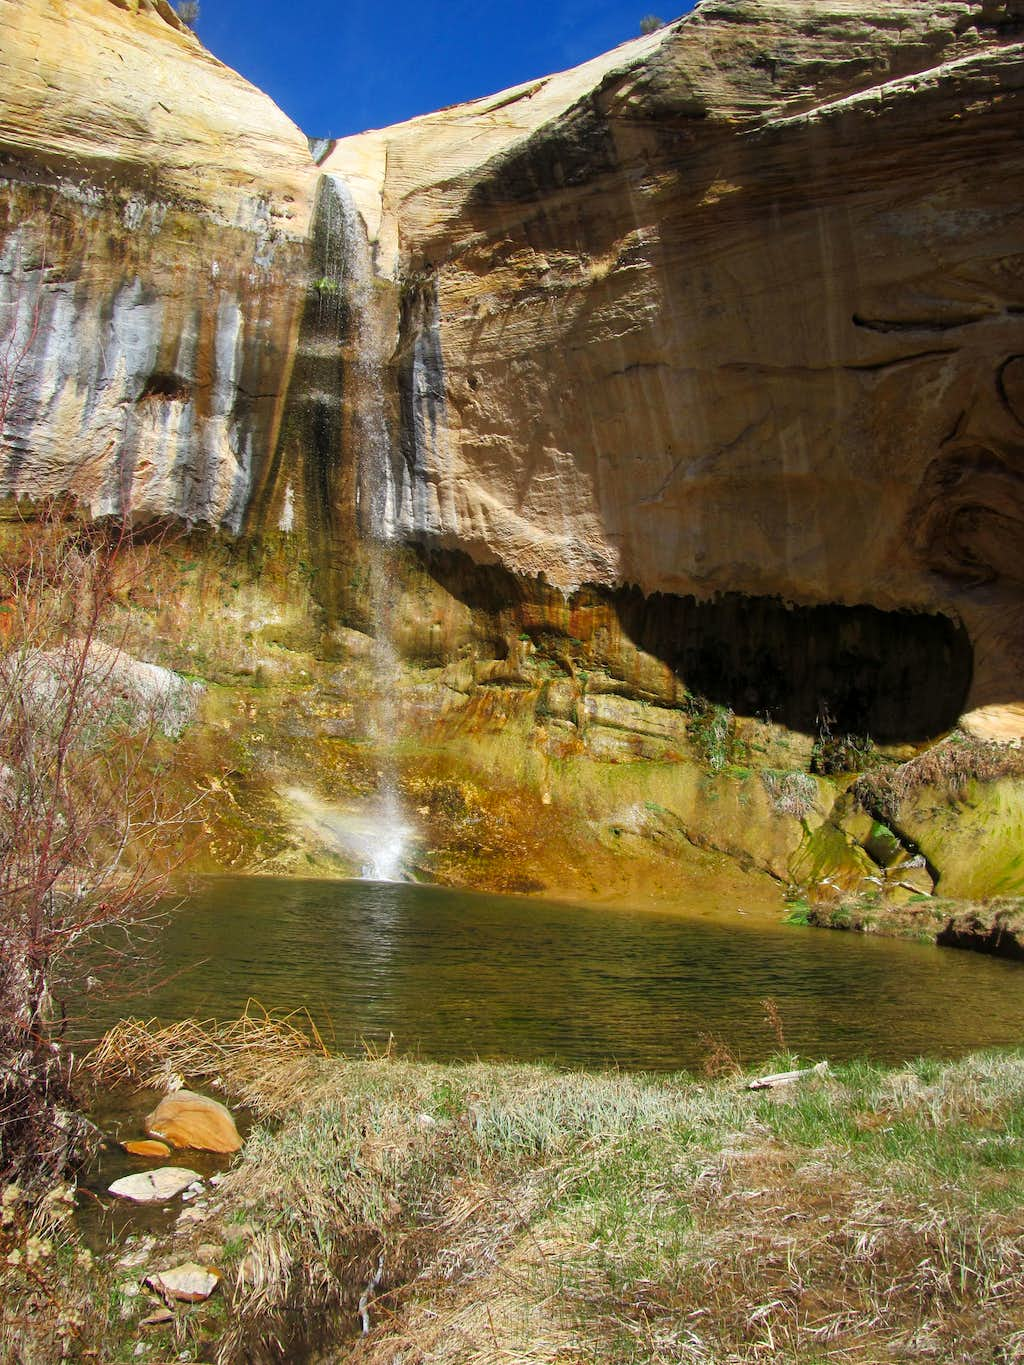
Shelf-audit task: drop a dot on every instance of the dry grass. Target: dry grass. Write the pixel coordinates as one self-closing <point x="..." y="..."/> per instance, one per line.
<point x="790" y="792"/>
<point x="260" y="1058"/>
<point x="949" y="766"/>
<point x="472" y="1215"/>
<point x="845" y="1222"/>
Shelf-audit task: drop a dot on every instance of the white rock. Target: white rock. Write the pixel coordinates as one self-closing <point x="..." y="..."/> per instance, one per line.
<point x="138" y="1255"/>
<point x="192" y="1215"/>
<point x="190" y="1283"/>
<point x="154" y="1187"/>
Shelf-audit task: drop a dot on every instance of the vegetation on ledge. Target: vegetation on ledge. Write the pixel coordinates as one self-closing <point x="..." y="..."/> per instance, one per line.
<point x="485" y="1212"/>
<point x="995" y="926"/>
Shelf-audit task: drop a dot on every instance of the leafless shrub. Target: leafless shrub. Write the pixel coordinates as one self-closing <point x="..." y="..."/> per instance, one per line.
<point x="86" y="836"/>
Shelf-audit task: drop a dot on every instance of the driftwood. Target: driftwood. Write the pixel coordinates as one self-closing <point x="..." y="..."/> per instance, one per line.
<point x="786" y="1077"/>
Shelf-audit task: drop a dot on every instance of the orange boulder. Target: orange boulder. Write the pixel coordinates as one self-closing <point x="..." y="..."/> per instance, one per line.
<point x="186" y="1119"/>
<point x="146" y="1147"/>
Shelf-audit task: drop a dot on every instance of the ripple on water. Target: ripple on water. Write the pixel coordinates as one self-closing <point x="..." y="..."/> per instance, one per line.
<point x="457" y="975"/>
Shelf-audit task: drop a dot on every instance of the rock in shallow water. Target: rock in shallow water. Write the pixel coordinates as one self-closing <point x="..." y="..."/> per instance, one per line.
<point x="146" y="1147"/>
<point x="186" y="1119"/>
<point x="154" y="1187"/>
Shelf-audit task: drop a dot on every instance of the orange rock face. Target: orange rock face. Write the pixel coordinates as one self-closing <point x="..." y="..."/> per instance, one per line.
<point x="186" y="1119"/>
<point x="702" y="368"/>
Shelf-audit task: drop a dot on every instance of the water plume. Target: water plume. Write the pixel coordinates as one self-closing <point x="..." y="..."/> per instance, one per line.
<point x="374" y="836"/>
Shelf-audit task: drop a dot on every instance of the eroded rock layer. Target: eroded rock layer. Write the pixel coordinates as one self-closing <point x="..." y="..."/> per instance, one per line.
<point x="153" y="215"/>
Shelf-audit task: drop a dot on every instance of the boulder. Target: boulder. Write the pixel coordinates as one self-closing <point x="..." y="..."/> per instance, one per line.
<point x="154" y="1187"/>
<point x="185" y="1119"/>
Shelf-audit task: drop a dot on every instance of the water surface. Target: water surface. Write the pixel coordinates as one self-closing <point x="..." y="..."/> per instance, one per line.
<point x="458" y="975"/>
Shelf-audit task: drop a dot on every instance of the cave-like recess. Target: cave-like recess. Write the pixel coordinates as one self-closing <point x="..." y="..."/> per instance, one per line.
<point x="893" y="676"/>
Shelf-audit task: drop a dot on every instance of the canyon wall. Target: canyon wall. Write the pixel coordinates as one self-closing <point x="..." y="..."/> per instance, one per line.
<point x="701" y="373"/>
<point x="735" y="308"/>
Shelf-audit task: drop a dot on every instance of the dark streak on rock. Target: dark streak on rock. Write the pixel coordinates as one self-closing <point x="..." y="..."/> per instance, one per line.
<point x="955" y="429"/>
<point x="1003" y="391"/>
<point x="916" y="325"/>
<point x="877" y="365"/>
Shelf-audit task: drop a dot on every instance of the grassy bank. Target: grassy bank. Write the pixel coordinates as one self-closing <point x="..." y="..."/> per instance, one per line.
<point x="994" y="926"/>
<point x="488" y="1213"/>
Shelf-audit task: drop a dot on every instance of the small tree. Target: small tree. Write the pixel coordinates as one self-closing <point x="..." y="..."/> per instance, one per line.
<point x="86" y="836"/>
<point x="188" y="12"/>
<point x="650" y="23"/>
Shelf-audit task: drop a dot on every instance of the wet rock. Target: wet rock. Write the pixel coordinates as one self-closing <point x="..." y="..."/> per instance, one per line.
<point x="154" y="1187"/>
<point x="139" y="253"/>
<point x="188" y="1283"/>
<point x="186" y="1119"/>
<point x="146" y="1147"/>
<point x="137" y="1255"/>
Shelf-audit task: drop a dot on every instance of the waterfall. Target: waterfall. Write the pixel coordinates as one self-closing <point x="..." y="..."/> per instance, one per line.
<point x="347" y="250"/>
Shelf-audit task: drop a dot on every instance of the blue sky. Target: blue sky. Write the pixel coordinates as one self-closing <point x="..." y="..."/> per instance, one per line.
<point x="337" y="68"/>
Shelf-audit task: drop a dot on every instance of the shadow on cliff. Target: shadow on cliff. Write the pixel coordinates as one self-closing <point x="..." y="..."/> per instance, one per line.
<point x="894" y="676"/>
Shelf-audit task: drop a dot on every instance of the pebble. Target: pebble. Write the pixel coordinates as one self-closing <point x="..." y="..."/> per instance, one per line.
<point x="138" y="1255"/>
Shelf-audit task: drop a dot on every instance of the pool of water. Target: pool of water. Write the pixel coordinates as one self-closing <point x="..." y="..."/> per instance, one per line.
<point x="458" y="975"/>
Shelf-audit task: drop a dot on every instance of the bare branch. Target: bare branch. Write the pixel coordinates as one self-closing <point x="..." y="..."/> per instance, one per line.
<point x="87" y="835"/>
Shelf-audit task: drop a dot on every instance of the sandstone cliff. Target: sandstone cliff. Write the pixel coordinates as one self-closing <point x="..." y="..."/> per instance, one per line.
<point x="736" y="307"/>
<point x="686" y="389"/>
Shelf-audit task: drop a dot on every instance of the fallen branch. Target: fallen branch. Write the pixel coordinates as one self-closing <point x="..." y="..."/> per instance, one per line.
<point x="786" y="1077"/>
<point x="367" y="1294"/>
